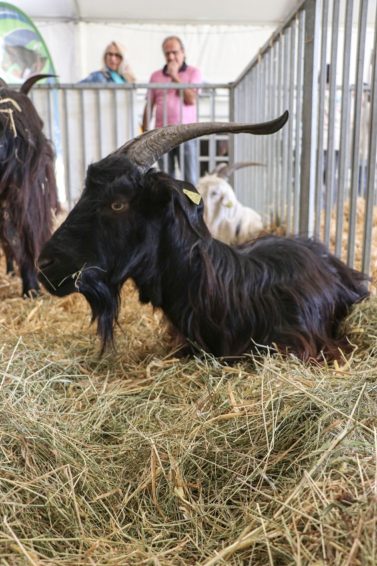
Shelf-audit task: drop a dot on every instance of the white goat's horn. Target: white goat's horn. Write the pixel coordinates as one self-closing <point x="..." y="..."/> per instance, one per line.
<point x="224" y="170"/>
<point x="144" y="150"/>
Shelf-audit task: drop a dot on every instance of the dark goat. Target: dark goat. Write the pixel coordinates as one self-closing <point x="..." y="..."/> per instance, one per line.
<point x="27" y="183"/>
<point x="287" y="293"/>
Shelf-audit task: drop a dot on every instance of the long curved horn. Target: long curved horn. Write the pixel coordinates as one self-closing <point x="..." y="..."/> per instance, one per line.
<point x="144" y="150"/>
<point x="224" y="170"/>
<point x="26" y="86"/>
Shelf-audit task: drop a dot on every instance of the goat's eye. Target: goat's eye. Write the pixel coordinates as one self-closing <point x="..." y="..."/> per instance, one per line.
<point x="119" y="206"/>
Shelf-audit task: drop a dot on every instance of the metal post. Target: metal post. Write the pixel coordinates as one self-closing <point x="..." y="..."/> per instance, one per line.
<point x="309" y="117"/>
<point x="372" y="158"/>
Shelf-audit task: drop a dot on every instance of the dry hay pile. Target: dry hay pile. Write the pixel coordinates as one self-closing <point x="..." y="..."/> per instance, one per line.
<point x="359" y="234"/>
<point x="140" y="458"/>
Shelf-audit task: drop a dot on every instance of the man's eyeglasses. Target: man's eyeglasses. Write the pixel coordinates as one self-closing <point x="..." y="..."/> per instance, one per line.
<point x="117" y="55"/>
<point x="167" y="53"/>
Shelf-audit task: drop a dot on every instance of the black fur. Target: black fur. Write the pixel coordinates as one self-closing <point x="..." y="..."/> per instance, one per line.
<point x="27" y="185"/>
<point x="286" y="293"/>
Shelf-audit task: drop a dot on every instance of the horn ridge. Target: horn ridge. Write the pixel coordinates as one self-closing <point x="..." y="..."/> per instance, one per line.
<point x="144" y="150"/>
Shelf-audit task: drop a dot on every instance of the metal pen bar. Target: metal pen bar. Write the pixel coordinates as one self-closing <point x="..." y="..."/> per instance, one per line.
<point x="321" y="124"/>
<point x="181" y="147"/>
<point x="276" y="141"/>
<point x="270" y="110"/>
<point x="298" y="133"/>
<point x="292" y="83"/>
<point x="372" y="160"/>
<point x="82" y="132"/>
<point x="212" y="137"/>
<point x="309" y="117"/>
<point x="67" y="172"/>
<point x="115" y="120"/>
<point x="99" y="130"/>
<point x="356" y="130"/>
<point x="285" y="131"/>
<point x="344" y="128"/>
<point x="332" y="117"/>
<point x="165" y="121"/>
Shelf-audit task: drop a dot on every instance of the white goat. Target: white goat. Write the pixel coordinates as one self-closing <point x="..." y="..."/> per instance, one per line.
<point x="227" y="219"/>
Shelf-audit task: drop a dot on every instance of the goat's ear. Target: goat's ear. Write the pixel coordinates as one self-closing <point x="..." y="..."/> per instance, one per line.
<point x="158" y="188"/>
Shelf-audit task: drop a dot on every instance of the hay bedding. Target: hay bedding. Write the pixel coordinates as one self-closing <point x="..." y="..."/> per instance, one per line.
<point x="140" y="458"/>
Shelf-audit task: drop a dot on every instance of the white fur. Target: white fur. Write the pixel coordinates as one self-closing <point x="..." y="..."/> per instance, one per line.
<point x="227" y="219"/>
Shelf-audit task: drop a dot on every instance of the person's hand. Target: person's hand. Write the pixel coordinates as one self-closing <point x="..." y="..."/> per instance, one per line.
<point x="172" y="69"/>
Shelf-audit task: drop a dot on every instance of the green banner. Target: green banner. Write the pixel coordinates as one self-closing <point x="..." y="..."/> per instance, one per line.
<point x="22" y="50"/>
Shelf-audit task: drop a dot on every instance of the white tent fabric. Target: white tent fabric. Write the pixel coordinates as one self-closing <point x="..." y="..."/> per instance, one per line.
<point x="220" y="37"/>
<point x="220" y="51"/>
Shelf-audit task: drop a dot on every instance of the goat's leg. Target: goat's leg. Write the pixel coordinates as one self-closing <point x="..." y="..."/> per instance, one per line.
<point x="28" y="272"/>
<point x="9" y="259"/>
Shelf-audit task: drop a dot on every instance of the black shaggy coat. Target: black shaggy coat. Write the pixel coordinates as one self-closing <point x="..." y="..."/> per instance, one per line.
<point x="27" y="184"/>
<point x="287" y="293"/>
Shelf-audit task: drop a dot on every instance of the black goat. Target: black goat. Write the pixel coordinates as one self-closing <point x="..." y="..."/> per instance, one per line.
<point x="27" y="183"/>
<point x="289" y="293"/>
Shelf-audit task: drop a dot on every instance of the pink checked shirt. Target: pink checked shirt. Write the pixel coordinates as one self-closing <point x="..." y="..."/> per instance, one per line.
<point x="174" y="101"/>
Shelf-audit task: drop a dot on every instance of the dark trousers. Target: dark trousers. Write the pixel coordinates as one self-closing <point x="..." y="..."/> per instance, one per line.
<point x="189" y="172"/>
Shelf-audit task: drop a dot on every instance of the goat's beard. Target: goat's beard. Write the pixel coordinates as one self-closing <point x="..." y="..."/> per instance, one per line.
<point x="104" y="301"/>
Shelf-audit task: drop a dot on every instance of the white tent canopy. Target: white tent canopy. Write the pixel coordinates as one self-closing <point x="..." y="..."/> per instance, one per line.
<point x="269" y="12"/>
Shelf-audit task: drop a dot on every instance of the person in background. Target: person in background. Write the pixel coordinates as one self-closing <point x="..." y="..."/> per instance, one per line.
<point x="114" y="70"/>
<point x="181" y="107"/>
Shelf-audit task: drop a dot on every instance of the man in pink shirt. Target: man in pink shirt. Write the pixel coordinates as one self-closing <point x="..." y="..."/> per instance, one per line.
<point x="175" y="106"/>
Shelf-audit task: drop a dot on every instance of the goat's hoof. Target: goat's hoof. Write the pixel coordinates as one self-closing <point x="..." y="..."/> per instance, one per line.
<point x="31" y="294"/>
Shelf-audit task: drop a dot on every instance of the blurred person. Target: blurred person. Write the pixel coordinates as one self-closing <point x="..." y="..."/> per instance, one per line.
<point x="180" y="108"/>
<point x="115" y="69"/>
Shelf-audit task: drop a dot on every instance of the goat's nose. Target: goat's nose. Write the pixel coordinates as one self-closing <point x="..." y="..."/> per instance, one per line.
<point x="45" y="262"/>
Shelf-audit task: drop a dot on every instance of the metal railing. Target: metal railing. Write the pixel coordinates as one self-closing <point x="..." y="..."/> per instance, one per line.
<point x="89" y="121"/>
<point x="320" y="170"/>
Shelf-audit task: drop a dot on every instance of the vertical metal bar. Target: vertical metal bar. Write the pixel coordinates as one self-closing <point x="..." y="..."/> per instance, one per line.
<point x="132" y="119"/>
<point x="233" y="98"/>
<point x="275" y="163"/>
<point x="212" y="137"/>
<point x="356" y="129"/>
<point x="291" y="91"/>
<point x="344" y="128"/>
<point x="270" y="113"/>
<point x="285" y="100"/>
<point x="278" y="135"/>
<point x="113" y="109"/>
<point x="265" y="159"/>
<point x="321" y="114"/>
<point x="181" y="148"/>
<point x="372" y="159"/>
<point x="298" y="132"/>
<point x="82" y="132"/>
<point x="309" y="117"/>
<point x="332" y="117"/>
<point x="67" y="171"/>
<point x="259" y="197"/>
<point x="49" y="113"/>
<point x="99" y="114"/>
<point x="164" y="122"/>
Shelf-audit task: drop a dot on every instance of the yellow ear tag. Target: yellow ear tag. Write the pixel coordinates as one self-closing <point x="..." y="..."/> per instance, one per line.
<point x="194" y="197"/>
